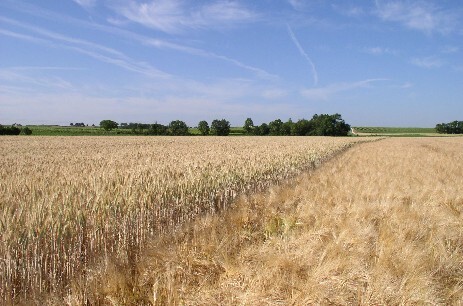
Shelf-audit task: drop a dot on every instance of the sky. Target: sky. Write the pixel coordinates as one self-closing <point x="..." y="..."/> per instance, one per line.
<point x="377" y="63"/>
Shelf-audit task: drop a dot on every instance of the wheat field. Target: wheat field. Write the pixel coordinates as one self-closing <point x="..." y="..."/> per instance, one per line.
<point x="380" y="224"/>
<point x="71" y="206"/>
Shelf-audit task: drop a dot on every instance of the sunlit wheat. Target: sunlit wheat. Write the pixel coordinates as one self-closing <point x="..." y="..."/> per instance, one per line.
<point x="67" y="203"/>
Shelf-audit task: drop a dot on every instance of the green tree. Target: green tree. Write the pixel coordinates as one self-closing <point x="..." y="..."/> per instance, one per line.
<point x="329" y="125"/>
<point x="302" y="127"/>
<point x="286" y="128"/>
<point x="203" y="127"/>
<point x="108" y="125"/>
<point x="440" y="128"/>
<point x="248" y="126"/>
<point x="220" y="127"/>
<point x="276" y="127"/>
<point x="13" y="130"/>
<point x="454" y="127"/>
<point x="138" y="128"/>
<point x="26" y="131"/>
<point x="263" y="130"/>
<point x="178" y="128"/>
<point x="157" y="129"/>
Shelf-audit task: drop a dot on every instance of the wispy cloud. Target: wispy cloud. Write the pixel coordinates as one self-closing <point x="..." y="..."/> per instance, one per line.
<point x="59" y="37"/>
<point x="162" y="44"/>
<point x="91" y="49"/>
<point x="21" y="36"/>
<point x="86" y="3"/>
<point x="304" y="54"/>
<point x="449" y="49"/>
<point x="406" y="85"/>
<point x="274" y="93"/>
<point x="297" y="4"/>
<point x="324" y="93"/>
<point x="307" y="5"/>
<point x="417" y="15"/>
<point x="44" y="68"/>
<point x="428" y="62"/>
<point x="348" y="10"/>
<point x="380" y="51"/>
<point x="128" y="35"/>
<point x="25" y="75"/>
<point x="173" y="16"/>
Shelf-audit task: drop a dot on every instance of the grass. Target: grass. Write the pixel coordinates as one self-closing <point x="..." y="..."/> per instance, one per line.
<point x="234" y="131"/>
<point x="395" y="131"/>
<point x="53" y="130"/>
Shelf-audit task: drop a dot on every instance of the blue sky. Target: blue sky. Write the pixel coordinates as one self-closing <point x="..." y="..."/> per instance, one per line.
<point x="378" y="63"/>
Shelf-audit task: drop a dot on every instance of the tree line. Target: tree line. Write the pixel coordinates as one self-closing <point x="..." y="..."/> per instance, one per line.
<point x="14" y="130"/>
<point x="319" y="125"/>
<point x="174" y="128"/>
<point x="454" y="127"/>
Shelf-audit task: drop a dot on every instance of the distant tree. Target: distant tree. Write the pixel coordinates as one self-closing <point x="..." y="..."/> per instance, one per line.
<point x="108" y="125"/>
<point x="13" y="130"/>
<point x="440" y="128"/>
<point x="286" y="128"/>
<point x="276" y="127"/>
<point x="248" y="126"/>
<point x="203" y="127"/>
<point x="178" y="128"/>
<point x="302" y="127"/>
<point x="154" y="129"/>
<point x="220" y="127"/>
<point x="454" y="127"/>
<point x="329" y="125"/>
<point x="26" y="131"/>
<point x="138" y="128"/>
<point x="72" y="124"/>
<point x="262" y="130"/>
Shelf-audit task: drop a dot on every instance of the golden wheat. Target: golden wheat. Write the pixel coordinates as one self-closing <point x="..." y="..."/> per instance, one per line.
<point x="68" y="203"/>
<point x="379" y="225"/>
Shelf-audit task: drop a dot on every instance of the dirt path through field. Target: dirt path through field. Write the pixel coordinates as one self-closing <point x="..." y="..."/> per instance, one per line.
<point x="379" y="224"/>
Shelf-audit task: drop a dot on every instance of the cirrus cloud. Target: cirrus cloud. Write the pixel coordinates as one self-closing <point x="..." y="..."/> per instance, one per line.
<point x="427" y="62"/>
<point x="174" y="16"/>
<point x="324" y="93"/>
<point x="417" y="15"/>
<point x="86" y="3"/>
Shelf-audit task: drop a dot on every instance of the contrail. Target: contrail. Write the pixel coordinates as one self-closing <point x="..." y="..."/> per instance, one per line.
<point x="304" y="54"/>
